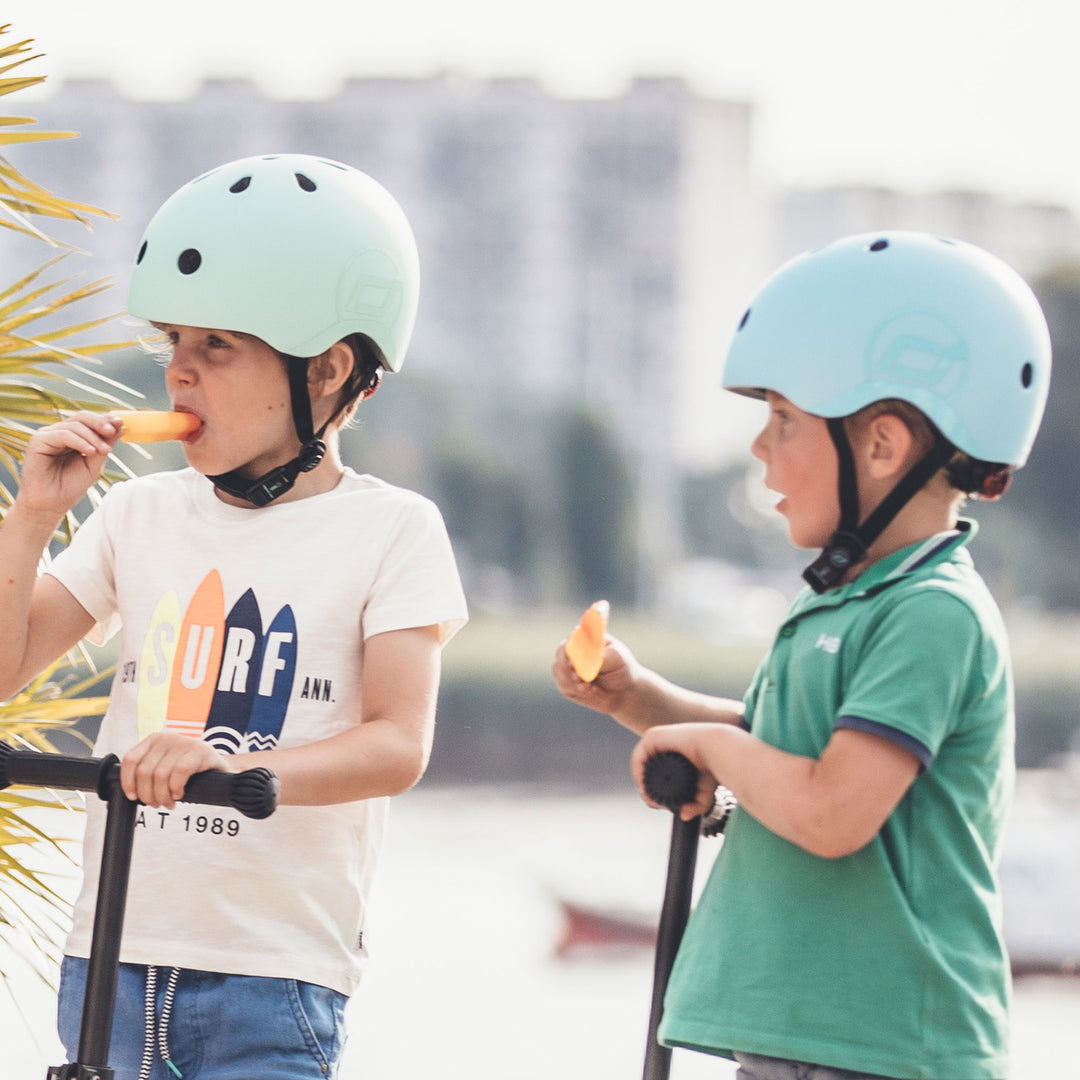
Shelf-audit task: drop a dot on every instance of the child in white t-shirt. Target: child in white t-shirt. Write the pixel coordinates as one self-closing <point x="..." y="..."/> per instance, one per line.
<point x="275" y="609"/>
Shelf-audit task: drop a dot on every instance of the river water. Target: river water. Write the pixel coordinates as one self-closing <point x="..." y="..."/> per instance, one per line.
<point x="465" y="983"/>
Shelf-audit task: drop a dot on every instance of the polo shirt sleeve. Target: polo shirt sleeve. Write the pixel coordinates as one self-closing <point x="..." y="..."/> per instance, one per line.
<point x="915" y="670"/>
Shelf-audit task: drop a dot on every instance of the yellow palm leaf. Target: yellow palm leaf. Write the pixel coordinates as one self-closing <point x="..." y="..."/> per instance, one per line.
<point x="33" y="906"/>
<point x="46" y="371"/>
<point x="19" y="196"/>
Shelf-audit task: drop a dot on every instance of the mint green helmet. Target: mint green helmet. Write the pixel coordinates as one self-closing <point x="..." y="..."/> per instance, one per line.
<point x="299" y="251"/>
<point x="938" y="323"/>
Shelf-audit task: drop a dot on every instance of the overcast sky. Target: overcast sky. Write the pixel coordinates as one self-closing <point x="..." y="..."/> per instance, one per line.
<point x="916" y="94"/>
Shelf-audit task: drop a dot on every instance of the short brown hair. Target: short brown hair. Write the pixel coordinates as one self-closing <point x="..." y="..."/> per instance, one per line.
<point x="975" y="478"/>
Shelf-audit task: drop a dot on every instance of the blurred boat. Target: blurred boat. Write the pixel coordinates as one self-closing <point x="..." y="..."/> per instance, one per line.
<point x="588" y="929"/>
<point x="1040" y="881"/>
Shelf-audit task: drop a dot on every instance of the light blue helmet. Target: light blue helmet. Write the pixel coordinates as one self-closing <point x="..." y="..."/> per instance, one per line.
<point x="938" y="323"/>
<point x="300" y="251"/>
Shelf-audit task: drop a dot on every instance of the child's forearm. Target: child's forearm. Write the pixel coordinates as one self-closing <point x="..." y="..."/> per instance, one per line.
<point x="374" y="759"/>
<point x="830" y="806"/>
<point x="23" y="538"/>
<point x="388" y="750"/>
<point x="654" y="700"/>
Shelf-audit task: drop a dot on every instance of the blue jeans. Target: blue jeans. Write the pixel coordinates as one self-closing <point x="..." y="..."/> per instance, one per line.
<point x="221" y="1027"/>
<point x="757" y="1067"/>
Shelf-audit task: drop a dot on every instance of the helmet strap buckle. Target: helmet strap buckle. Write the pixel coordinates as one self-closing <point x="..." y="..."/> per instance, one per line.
<point x="843" y="551"/>
<point x="849" y="544"/>
<point x="276" y="482"/>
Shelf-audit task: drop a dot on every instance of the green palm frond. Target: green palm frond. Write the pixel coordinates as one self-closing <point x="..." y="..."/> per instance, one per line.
<point x="46" y="374"/>
<point x="35" y="875"/>
<point x="9" y="85"/>
<point x="35" y="865"/>
<point x="19" y="196"/>
<point x="47" y="369"/>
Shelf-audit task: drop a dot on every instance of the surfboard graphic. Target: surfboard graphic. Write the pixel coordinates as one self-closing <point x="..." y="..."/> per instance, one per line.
<point x="238" y="676"/>
<point x="198" y="658"/>
<point x="156" y="665"/>
<point x="276" y="674"/>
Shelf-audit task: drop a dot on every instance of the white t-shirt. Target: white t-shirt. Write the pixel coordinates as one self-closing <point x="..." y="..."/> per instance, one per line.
<point x="247" y="627"/>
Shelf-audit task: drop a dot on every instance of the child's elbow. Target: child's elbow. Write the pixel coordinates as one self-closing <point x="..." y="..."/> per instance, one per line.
<point x="834" y="848"/>
<point x="832" y="839"/>
<point x="408" y="768"/>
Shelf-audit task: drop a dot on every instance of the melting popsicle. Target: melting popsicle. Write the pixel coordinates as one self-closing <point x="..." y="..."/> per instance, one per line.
<point x="585" y="646"/>
<point x="148" y="425"/>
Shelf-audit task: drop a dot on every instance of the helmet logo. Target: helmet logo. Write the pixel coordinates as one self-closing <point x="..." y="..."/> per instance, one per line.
<point x="919" y="349"/>
<point x="370" y="295"/>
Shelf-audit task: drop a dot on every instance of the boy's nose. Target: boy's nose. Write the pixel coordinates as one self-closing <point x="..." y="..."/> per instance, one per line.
<point x="179" y="371"/>
<point x="757" y="447"/>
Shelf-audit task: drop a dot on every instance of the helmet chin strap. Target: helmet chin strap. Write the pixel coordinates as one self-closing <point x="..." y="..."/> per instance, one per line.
<point x="848" y="545"/>
<point x="277" y="481"/>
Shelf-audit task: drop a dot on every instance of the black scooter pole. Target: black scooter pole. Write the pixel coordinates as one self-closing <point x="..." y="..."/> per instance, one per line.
<point x="671" y="780"/>
<point x="253" y="793"/>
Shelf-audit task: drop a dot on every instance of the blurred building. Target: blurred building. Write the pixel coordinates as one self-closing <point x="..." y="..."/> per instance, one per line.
<point x="1035" y="238"/>
<point x="568" y="247"/>
<point x="595" y="252"/>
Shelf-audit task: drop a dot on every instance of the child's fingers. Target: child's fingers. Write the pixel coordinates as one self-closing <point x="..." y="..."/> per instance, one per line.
<point x="83" y="433"/>
<point x="143" y="774"/>
<point x="659" y="739"/>
<point x="157" y="770"/>
<point x="569" y="682"/>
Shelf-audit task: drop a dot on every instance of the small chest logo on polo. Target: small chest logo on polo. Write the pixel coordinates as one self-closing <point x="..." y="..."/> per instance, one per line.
<point x="827" y="643"/>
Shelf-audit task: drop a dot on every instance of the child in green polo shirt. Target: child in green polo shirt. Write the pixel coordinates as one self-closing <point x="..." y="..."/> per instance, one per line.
<point x="852" y="920"/>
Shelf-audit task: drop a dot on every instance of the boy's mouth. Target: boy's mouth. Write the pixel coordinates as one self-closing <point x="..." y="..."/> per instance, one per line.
<point x="199" y="430"/>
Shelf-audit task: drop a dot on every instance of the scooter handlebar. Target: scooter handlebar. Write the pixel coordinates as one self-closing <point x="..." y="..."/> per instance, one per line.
<point x="671" y="779"/>
<point x="253" y="792"/>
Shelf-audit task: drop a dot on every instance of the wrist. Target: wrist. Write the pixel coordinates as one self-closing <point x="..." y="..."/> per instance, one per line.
<point x="36" y="521"/>
<point x="641" y="704"/>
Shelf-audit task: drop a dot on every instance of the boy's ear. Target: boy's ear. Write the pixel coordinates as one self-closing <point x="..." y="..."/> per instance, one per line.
<point x="887" y="445"/>
<point x="329" y="371"/>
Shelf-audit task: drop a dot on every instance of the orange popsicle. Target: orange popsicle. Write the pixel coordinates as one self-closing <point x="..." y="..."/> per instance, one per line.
<point x="585" y="646"/>
<point x="148" y="425"/>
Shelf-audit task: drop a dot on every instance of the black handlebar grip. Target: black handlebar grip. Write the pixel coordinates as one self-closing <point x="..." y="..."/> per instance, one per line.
<point x="6" y="750"/>
<point x="33" y="768"/>
<point x="253" y="792"/>
<point x="671" y="779"/>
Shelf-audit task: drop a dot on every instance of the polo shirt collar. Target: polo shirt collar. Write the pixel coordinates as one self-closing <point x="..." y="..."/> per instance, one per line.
<point x="934" y="549"/>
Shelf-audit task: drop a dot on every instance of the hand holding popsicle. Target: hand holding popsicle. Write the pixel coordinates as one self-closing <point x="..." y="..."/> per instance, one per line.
<point x="585" y="646"/>
<point x="147" y="425"/>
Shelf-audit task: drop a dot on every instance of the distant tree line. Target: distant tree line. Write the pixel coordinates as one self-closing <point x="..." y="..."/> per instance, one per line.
<point x="540" y="499"/>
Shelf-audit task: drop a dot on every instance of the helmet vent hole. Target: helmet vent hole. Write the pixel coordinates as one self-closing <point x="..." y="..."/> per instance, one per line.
<point x="142" y="252"/>
<point x="305" y="182"/>
<point x="189" y="261"/>
<point x="742" y="321"/>
<point x="1027" y="375"/>
<point x="879" y="245"/>
<point x="241" y="185"/>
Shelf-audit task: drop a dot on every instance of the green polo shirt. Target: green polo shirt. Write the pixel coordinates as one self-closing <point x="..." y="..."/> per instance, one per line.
<point x="890" y="960"/>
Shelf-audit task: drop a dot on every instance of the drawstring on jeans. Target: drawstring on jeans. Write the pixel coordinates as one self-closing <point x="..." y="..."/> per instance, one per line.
<point x="158" y="1030"/>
